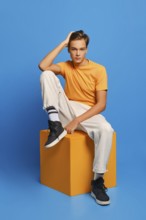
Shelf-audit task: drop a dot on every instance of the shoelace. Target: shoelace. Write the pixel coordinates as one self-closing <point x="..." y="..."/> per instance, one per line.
<point x="102" y="187"/>
<point x="51" y="127"/>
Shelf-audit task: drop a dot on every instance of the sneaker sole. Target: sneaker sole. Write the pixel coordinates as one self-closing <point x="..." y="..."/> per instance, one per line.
<point x="62" y="135"/>
<point x="98" y="201"/>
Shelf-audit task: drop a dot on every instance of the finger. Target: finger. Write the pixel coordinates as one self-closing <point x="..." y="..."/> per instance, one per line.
<point x="70" y="33"/>
<point x="68" y="131"/>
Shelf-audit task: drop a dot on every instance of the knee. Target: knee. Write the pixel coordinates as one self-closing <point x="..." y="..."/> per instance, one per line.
<point x="106" y="128"/>
<point x="45" y="75"/>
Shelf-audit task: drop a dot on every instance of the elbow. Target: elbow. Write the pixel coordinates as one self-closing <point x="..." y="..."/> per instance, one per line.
<point x="41" y="67"/>
<point x="103" y="107"/>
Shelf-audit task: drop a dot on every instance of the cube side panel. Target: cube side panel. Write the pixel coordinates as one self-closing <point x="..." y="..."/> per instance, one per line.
<point x="82" y="151"/>
<point x="54" y="164"/>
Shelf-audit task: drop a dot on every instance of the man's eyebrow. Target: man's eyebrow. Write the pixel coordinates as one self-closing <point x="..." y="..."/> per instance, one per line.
<point x="79" y="48"/>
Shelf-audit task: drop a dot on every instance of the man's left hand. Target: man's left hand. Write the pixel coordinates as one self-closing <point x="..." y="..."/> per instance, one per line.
<point x="72" y="126"/>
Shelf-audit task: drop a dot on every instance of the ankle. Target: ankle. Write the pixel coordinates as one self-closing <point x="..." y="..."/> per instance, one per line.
<point x="98" y="175"/>
<point x="52" y="113"/>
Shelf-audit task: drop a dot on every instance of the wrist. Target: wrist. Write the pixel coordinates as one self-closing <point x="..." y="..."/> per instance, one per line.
<point x="64" y="43"/>
<point x="77" y="120"/>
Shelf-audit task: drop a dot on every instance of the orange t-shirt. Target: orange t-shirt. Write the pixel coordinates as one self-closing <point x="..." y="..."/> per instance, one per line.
<point x="81" y="83"/>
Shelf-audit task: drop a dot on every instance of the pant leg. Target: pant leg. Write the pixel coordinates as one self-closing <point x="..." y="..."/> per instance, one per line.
<point x="54" y="95"/>
<point x="101" y="132"/>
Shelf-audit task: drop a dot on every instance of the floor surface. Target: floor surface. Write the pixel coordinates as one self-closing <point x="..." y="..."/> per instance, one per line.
<point x="23" y="197"/>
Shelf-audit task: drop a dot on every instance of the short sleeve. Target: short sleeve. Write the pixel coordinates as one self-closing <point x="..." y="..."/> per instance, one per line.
<point x="62" y="66"/>
<point x="102" y="81"/>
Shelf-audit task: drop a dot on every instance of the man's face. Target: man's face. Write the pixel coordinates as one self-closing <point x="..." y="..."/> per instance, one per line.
<point x="78" y="51"/>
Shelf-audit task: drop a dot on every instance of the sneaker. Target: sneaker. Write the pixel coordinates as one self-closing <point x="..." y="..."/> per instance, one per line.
<point x="57" y="132"/>
<point x="99" y="192"/>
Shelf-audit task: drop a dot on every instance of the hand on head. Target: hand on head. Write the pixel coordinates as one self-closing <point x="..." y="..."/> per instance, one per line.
<point x="67" y="38"/>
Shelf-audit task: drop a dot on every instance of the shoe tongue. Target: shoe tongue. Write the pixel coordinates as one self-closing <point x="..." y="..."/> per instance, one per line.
<point x="54" y="125"/>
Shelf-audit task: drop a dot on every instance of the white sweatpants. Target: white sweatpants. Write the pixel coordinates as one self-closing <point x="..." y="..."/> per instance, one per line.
<point x="96" y="127"/>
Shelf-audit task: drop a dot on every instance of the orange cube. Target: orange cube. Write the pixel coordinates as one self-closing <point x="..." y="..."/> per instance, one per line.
<point x="67" y="167"/>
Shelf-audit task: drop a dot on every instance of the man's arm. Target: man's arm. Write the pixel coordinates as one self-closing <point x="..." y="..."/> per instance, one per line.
<point x="47" y="61"/>
<point x="96" y="109"/>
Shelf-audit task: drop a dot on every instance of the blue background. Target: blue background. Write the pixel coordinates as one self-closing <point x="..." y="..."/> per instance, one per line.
<point x="29" y="29"/>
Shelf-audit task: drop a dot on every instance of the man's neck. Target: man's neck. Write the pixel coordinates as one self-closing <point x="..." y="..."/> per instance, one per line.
<point x="83" y="63"/>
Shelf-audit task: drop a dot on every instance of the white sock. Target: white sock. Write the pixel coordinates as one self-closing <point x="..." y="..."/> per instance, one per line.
<point x="98" y="175"/>
<point x="52" y="114"/>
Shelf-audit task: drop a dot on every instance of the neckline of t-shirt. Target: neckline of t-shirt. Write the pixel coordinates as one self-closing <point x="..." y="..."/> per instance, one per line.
<point x="83" y="66"/>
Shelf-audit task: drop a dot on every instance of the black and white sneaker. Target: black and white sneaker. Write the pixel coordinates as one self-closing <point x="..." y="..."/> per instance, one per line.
<point x="57" y="132"/>
<point x="99" y="192"/>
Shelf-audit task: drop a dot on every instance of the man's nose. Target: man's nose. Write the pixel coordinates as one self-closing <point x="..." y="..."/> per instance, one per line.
<point x="78" y="53"/>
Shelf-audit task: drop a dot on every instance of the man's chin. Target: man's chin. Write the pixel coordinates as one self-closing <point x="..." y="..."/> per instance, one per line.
<point x="77" y="62"/>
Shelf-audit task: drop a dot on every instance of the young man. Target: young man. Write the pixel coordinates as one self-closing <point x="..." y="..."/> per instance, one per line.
<point x="79" y="107"/>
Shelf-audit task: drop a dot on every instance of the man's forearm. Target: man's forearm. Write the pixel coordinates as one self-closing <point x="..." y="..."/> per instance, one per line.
<point x="49" y="58"/>
<point x="96" y="109"/>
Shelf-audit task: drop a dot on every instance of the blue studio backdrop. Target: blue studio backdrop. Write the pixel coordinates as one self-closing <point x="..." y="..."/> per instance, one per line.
<point x="29" y="29"/>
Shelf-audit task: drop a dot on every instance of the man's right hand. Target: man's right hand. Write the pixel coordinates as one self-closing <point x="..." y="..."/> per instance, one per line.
<point x="47" y="61"/>
<point x="66" y="41"/>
